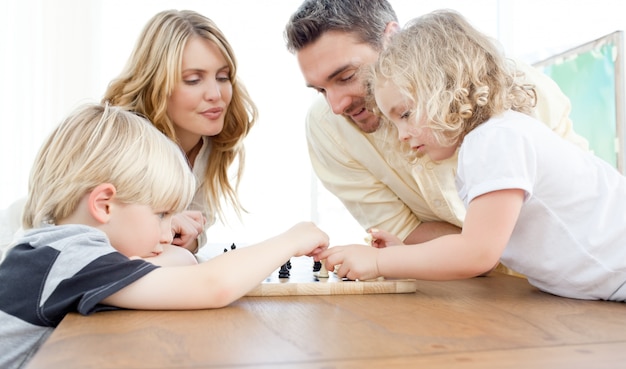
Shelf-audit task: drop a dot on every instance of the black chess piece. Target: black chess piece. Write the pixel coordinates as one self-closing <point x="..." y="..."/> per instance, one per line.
<point x="232" y="247"/>
<point x="284" y="271"/>
<point x="317" y="265"/>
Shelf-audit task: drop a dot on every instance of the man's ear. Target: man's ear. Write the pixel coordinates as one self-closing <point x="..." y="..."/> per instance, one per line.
<point x="99" y="202"/>
<point x="391" y="29"/>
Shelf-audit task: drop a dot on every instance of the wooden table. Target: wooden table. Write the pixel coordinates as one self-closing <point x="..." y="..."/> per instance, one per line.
<point x="497" y="321"/>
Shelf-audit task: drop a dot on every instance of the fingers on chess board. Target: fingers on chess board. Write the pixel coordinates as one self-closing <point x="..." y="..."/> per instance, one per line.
<point x="301" y="276"/>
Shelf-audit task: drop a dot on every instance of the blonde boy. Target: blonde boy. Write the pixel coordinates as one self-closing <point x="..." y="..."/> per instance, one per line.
<point x="102" y="193"/>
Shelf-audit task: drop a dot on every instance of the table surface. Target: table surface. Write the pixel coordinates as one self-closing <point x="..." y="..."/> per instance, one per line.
<point x="498" y="321"/>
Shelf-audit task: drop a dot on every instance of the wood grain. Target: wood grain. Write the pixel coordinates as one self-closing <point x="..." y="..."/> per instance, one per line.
<point x="497" y="321"/>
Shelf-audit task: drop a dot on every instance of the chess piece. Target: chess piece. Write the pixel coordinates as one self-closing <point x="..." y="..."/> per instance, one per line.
<point x="323" y="273"/>
<point x="232" y="247"/>
<point x="317" y="265"/>
<point x="284" y="271"/>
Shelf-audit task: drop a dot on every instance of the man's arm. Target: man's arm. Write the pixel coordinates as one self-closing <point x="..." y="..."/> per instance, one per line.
<point x="427" y="231"/>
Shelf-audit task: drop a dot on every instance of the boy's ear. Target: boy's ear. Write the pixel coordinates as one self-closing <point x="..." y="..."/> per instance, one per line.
<point x="99" y="202"/>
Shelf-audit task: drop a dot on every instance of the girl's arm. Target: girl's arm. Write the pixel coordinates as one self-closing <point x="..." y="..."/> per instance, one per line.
<point x="488" y="225"/>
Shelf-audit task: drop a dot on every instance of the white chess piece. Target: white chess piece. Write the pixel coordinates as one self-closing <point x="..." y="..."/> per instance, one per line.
<point x="323" y="273"/>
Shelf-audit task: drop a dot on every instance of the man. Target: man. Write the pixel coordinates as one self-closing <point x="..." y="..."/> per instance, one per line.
<point x="333" y="42"/>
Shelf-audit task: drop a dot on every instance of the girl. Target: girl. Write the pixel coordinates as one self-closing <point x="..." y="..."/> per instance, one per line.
<point x="534" y="201"/>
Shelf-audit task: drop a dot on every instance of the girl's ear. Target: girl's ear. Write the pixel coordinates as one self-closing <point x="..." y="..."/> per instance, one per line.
<point x="99" y="202"/>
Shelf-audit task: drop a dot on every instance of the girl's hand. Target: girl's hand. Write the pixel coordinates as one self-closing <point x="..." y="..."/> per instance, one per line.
<point x="381" y="239"/>
<point x="355" y="261"/>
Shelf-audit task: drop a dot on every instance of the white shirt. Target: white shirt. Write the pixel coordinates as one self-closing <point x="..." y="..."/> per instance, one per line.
<point x="391" y="194"/>
<point x="570" y="238"/>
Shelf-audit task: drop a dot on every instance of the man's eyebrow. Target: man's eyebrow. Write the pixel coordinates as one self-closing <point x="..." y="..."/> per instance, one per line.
<point x="333" y="74"/>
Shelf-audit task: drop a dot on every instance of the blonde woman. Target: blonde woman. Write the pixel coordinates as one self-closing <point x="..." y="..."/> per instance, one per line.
<point x="182" y="76"/>
<point x="102" y="193"/>
<point x="534" y="201"/>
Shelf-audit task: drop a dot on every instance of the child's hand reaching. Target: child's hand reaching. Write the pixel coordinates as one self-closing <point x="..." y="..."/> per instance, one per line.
<point x="381" y="239"/>
<point x="309" y="239"/>
<point x="355" y="261"/>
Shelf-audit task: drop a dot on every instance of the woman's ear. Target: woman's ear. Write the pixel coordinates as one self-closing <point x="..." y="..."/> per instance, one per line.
<point x="99" y="202"/>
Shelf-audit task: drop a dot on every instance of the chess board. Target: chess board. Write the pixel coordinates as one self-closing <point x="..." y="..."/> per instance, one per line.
<point x="303" y="281"/>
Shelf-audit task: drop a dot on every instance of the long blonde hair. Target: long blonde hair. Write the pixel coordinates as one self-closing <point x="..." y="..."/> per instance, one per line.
<point x="152" y="71"/>
<point x="455" y="75"/>
<point x="102" y="144"/>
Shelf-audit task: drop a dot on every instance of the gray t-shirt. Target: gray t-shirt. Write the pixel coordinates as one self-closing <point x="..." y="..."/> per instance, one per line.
<point x="50" y="272"/>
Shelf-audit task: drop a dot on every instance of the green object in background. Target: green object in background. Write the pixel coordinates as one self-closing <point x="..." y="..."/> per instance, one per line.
<point x="588" y="76"/>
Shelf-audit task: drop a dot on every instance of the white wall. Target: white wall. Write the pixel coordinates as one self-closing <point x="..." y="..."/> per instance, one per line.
<point x="57" y="54"/>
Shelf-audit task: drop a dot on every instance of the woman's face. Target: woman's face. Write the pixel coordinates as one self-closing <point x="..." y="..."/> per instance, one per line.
<point x="199" y="101"/>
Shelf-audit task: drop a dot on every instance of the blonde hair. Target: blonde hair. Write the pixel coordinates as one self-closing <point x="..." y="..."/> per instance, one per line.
<point x="455" y="76"/>
<point x="152" y="71"/>
<point x="102" y="144"/>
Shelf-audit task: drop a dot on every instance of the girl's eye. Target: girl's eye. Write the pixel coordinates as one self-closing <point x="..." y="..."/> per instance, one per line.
<point x="163" y="215"/>
<point x="405" y="115"/>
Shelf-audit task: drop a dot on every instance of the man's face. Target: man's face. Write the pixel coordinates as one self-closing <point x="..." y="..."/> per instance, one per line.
<point x="332" y="65"/>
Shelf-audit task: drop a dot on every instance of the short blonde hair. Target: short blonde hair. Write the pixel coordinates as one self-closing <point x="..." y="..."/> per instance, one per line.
<point x="99" y="144"/>
<point x="455" y="75"/>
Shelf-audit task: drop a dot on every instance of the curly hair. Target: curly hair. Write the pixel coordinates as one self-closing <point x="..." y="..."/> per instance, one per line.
<point x="455" y="76"/>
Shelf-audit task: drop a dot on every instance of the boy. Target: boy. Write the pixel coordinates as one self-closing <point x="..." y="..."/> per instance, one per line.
<point x="102" y="193"/>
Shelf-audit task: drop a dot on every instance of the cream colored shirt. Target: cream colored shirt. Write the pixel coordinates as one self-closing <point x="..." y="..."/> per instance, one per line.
<point x="199" y="201"/>
<point x="392" y="194"/>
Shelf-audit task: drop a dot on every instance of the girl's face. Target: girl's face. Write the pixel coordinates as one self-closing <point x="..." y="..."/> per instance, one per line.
<point x="198" y="103"/>
<point x="413" y="130"/>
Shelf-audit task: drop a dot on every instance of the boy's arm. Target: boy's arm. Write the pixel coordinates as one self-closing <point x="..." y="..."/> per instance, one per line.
<point x="222" y="279"/>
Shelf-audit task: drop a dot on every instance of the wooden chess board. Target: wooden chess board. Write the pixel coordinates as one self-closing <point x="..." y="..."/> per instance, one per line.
<point x="303" y="281"/>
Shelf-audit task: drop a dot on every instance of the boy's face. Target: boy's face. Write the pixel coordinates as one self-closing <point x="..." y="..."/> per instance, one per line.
<point x="137" y="230"/>
<point x="332" y="65"/>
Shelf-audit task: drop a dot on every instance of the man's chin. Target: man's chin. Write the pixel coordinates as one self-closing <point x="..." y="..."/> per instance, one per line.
<point x="369" y="125"/>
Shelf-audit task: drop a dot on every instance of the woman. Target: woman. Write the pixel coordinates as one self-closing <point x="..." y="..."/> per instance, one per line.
<point x="182" y="76"/>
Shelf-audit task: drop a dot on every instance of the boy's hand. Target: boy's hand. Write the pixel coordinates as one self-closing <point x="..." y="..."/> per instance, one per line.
<point x="310" y="239"/>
